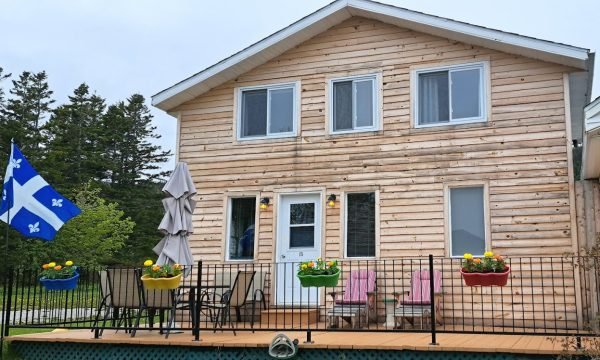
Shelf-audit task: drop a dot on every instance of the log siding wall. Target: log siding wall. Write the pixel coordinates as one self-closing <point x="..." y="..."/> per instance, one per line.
<point x="520" y="153"/>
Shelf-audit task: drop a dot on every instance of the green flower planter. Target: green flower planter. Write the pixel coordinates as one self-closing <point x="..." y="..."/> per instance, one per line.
<point x="319" y="280"/>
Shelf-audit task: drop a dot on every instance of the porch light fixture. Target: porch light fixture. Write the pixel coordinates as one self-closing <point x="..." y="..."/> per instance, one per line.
<point x="331" y="200"/>
<point x="264" y="203"/>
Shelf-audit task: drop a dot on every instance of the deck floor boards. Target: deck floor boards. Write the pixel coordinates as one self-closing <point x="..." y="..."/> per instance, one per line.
<point x="519" y="344"/>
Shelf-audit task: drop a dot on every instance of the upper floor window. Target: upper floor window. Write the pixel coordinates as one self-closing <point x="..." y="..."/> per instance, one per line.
<point x="450" y="95"/>
<point x="354" y="104"/>
<point x="267" y="111"/>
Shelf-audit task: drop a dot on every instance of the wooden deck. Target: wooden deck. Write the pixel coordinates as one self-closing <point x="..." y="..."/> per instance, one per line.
<point x="517" y="344"/>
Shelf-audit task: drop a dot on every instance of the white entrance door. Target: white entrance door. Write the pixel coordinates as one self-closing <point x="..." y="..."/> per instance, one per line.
<point x="298" y="239"/>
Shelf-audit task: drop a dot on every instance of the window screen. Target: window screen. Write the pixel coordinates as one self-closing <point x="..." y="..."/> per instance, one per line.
<point x="360" y="225"/>
<point x="241" y="228"/>
<point x="467" y="221"/>
<point x="453" y="95"/>
<point x="354" y="105"/>
<point x="268" y="111"/>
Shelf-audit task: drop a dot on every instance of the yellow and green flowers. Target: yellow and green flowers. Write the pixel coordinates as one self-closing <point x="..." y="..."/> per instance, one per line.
<point x="489" y="263"/>
<point x="53" y="271"/>
<point x="156" y="271"/>
<point x="320" y="267"/>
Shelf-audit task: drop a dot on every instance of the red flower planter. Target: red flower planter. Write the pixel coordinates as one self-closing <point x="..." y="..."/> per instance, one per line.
<point x="486" y="279"/>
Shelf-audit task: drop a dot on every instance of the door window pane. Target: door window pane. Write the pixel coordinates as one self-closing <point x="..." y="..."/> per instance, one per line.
<point x="282" y="110"/>
<point x="360" y="225"/>
<point x="364" y="103"/>
<point x="433" y="98"/>
<point x="465" y="93"/>
<point x="241" y="228"/>
<point x="467" y="221"/>
<point x="342" y="105"/>
<point x="302" y="213"/>
<point x="302" y="236"/>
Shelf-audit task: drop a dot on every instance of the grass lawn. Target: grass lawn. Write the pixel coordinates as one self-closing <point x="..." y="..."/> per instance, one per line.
<point x="34" y="297"/>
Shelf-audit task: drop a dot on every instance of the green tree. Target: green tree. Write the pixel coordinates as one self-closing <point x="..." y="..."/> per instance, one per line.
<point x="73" y="156"/>
<point x="3" y="76"/>
<point x="24" y="113"/>
<point x="132" y="177"/>
<point x="93" y="237"/>
<point x="131" y="156"/>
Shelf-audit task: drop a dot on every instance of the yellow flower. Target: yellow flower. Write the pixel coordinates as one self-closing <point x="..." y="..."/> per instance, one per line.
<point x="52" y="264"/>
<point x="468" y="256"/>
<point x="303" y="266"/>
<point x="319" y="259"/>
<point x="330" y="263"/>
<point x="156" y="268"/>
<point x="57" y="267"/>
<point x="177" y="267"/>
<point x="488" y="254"/>
<point x="69" y="263"/>
<point x="148" y="263"/>
<point x="45" y="266"/>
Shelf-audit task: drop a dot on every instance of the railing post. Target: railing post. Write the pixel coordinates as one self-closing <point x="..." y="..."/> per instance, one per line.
<point x="8" y="302"/>
<point x="197" y="303"/>
<point x="431" y="291"/>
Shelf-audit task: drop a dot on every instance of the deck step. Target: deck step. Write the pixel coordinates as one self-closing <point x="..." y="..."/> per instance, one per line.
<point x="289" y="317"/>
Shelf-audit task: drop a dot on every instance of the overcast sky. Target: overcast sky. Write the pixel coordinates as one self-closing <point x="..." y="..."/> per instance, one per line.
<point x="120" y="47"/>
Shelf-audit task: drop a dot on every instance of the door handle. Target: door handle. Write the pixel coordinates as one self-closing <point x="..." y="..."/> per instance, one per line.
<point x="283" y="256"/>
<point x="301" y="253"/>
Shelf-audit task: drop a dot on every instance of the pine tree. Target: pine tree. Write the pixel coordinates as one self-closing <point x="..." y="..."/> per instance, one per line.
<point x="132" y="173"/>
<point x="2" y="77"/>
<point x="73" y="154"/>
<point x="24" y="113"/>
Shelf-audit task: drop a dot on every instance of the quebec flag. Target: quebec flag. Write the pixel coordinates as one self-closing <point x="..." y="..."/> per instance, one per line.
<point x="29" y="204"/>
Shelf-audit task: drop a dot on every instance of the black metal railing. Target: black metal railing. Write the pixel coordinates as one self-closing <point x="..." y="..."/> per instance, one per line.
<point x="543" y="296"/>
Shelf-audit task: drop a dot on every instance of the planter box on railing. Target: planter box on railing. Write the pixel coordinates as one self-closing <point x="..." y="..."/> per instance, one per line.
<point x="486" y="279"/>
<point x="60" y="284"/>
<point x="161" y="283"/>
<point x="319" y="280"/>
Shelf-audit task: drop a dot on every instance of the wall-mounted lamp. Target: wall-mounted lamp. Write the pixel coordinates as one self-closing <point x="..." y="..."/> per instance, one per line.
<point x="264" y="203"/>
<point x="331" y="200"/>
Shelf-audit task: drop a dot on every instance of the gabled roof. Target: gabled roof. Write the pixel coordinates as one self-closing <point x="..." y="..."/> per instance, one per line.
<point x="340" y="10"/>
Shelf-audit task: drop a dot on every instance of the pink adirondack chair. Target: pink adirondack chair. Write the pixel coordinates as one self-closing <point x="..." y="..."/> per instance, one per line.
<point x="357" y="300"/>
<point x="417" y="301"/>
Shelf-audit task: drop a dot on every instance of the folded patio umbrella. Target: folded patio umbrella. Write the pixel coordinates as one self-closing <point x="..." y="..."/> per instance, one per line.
<point x="179" y="206"/>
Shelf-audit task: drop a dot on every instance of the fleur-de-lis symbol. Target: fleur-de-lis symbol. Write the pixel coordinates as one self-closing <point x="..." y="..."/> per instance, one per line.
<point x="4" y="195"/>
<point x="57" y="202"/>
<point x="16" y="163"/>
<point x="33" y="228"/>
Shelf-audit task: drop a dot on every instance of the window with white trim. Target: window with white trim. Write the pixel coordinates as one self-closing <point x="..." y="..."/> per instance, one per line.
<point x="354" y="102"/>
<point x="360" y="225"/>
<point x="450" y="95"/>
<point x="241" y="228"/>
<point x="267" y="111"/>
<point x="467" y="220"/>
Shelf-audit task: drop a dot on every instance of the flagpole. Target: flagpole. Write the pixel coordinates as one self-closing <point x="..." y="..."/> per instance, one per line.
<point x="6" y="267"/>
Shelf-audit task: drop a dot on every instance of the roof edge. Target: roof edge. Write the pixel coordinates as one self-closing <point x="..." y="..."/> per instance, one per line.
<point x="568" y="55"/>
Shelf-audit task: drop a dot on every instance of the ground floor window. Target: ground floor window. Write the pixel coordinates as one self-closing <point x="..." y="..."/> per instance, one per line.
<point x="360" y="224"/>
<point x="467" y="221"/>
<point x="241" y="234"/>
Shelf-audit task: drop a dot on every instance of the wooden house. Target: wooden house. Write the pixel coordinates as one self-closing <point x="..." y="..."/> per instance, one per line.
<point x="368" y="131"/>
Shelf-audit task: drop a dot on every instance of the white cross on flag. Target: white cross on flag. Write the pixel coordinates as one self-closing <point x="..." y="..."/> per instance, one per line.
<point x="29" y="204"/>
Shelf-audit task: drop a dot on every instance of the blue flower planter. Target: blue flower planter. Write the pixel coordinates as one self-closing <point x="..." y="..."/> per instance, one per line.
<point x="60" y="284"/>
